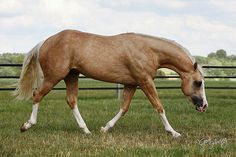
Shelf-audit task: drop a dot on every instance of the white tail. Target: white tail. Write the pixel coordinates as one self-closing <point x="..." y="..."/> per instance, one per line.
<point x="31" y="74"/>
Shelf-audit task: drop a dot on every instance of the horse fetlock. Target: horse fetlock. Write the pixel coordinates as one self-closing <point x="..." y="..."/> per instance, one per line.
<point x="110" y="124"/>
<point x="32" y="121"/>
<point x="170" y="130"/>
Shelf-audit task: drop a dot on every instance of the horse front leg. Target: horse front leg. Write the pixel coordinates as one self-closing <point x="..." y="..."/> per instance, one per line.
<point x="127" y="96"/>
<point x="149" y="89"/>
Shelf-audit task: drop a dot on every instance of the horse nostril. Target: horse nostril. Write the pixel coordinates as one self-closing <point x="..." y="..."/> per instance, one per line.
<point x="204" y="106"/>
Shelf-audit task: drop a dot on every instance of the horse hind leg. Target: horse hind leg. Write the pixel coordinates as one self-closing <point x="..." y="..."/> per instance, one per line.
<point x="127" y="96"/>
<point x="71" y="81"/>
<point x="37" y="97"/>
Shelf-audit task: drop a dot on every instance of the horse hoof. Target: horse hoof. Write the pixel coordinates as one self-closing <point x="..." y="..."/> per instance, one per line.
<point x="23" y="128"/>
<point x="103" y="130"/>
<point x="87" y="132"/>
<point x="176" y="135"/>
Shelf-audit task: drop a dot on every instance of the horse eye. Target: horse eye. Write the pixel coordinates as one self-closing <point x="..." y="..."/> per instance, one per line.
<point x="198" y="83"/>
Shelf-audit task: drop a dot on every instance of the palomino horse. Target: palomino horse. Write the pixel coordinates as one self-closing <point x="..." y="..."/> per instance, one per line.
<point x="129" y="59"/>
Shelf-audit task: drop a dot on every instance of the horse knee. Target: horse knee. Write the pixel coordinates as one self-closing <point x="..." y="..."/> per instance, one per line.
<point x="160" y="109"/>
<point x="71" y="102"/>
<point x="36" y="97"/>
<point x="124" y="110"/>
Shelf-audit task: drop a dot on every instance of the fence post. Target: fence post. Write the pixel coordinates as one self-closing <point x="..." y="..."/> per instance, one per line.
<point x="118" y="91"/>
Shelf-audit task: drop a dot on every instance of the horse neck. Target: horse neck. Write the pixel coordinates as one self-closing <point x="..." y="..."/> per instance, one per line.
<point x="174" y="57"/>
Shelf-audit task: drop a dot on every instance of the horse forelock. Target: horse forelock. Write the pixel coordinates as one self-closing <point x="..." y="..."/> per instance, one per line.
<point x="200" y="70"/>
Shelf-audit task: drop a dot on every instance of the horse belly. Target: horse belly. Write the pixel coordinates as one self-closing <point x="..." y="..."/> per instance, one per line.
<point x="108" y="72"/>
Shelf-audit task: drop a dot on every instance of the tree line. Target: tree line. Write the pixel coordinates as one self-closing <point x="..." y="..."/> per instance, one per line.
<point x="219" y="58"/>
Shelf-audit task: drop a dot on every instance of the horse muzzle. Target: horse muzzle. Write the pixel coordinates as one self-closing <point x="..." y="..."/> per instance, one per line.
<point x="200" y="103"/>
<point x="202" y="108"/>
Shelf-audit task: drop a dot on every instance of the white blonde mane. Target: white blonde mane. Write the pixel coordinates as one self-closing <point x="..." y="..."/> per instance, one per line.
<point x="178" y="45"/>
<point x="183" y="48"/>
<point x="187" y="53"/>
<point x="174" y="43"/>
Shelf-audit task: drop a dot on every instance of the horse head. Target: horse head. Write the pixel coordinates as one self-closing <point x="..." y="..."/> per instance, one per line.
<point x="193" y="87"/>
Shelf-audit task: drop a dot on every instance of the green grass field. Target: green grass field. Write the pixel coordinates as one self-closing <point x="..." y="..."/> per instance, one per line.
<point x="139" y="133"/>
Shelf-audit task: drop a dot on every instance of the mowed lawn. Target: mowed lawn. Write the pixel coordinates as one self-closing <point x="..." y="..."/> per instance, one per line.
<point x="139" y="133"/>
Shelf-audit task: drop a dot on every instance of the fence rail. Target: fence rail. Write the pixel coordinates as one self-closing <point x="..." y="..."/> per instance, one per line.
<point x="162" y="77"/>
<point x="120" y="88"/>
<point x="204" y="66"/>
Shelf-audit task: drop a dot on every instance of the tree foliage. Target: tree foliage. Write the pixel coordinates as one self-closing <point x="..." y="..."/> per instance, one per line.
<point x="221" y="53"/>
<point x="11" y="58"/>
<point x="218" y="58"/>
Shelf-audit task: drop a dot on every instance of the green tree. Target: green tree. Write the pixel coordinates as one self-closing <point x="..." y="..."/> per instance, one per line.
<point x="221" y="53"/>
<point x="9" y="58"/>
<point x="211" y="55"/>
<point x="232" y="57"/>
<point x="202" y="60"/>
<point x="160" y="73"/>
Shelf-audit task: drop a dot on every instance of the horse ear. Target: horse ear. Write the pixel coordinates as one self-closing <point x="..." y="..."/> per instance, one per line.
<point x="195" y="66"/>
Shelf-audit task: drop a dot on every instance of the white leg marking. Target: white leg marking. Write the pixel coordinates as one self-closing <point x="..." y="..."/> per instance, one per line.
<point x="204" y="94"/>
<point x="112" y="122"/>
<point x="33" y="118"/>
<point x="80" y="120"/>
<point x="167" y="125"/>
